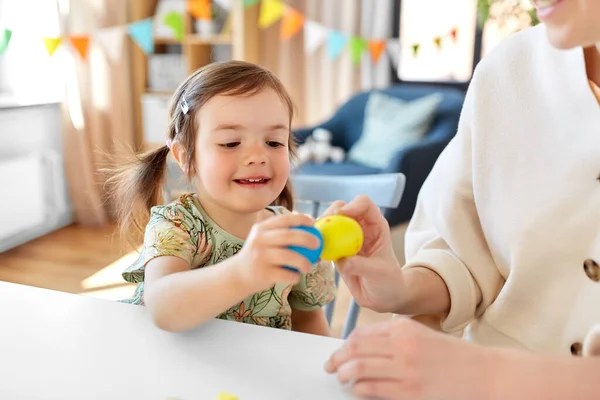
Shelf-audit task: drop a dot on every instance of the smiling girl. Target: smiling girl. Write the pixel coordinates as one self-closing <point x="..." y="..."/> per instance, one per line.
<point x="219" y="252"/>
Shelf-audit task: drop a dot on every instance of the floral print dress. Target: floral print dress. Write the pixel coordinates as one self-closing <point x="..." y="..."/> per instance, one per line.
<point x="183" y="229"/>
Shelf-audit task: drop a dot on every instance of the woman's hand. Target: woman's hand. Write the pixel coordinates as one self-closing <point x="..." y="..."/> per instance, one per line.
<point x="264" y="254"/>
<point x="402" y="359"/>
<point x="373" y="276"/>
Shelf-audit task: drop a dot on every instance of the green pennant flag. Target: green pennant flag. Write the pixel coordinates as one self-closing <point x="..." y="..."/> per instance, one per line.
<point x="174" y="20"/>
<point x="415" y="48"/>
<point x="4" y="39"/>
<point x="250" y="3"/>
<point x="357" y="46"/>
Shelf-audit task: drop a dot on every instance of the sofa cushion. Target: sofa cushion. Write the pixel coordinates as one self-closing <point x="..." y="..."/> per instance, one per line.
<point x="391" y="124"/>
<point x="329" y="168"/>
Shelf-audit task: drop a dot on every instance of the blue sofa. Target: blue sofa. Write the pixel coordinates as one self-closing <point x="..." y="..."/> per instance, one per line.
<point x="415" y="161"/>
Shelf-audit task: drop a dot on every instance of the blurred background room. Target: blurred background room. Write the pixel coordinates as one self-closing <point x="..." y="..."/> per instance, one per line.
<point x="84" y="82"/>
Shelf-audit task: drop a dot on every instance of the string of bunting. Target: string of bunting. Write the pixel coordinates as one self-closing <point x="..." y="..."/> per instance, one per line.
<point x="291" y="20"/>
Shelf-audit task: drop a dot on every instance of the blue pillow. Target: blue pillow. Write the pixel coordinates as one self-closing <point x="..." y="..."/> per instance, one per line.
<point x="391" y="124"/>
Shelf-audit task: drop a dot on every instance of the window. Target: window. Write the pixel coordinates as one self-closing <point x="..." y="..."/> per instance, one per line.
<point x="27" y="72"/>
<point x="421" y="22"/>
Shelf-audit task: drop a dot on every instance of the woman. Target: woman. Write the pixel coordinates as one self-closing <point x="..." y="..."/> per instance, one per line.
<point x="504" y="243"/>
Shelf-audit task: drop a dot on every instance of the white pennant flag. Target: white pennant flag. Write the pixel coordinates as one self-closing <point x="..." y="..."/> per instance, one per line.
<point x="225" y="4"/>
<point x="393" y="48"/>
<point x="111" y="40"/>
<point x="314" y="35"/>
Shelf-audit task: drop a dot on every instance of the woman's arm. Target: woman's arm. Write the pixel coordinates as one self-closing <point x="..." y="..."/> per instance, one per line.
<point x="180" y="299"/>
<point x="402" y="359"/>
<point x="313" y="322"/>
<point x="427" y="293"/>
<point x="522" y="375"/>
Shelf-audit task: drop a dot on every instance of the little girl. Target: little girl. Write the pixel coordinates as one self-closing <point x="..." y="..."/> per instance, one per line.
<point x="220" y="252"/>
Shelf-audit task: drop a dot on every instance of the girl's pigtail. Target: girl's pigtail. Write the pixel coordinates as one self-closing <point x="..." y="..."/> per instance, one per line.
<point x="286" y="198"/>
<point x="136" y="188"/>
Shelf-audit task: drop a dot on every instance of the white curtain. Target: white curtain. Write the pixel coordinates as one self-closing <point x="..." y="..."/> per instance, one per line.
<point x="317" y="83"/>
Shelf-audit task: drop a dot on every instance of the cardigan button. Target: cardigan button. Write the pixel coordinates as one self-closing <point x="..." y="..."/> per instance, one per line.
<point x="576" y="349"/>
<point x="592" y="270"/>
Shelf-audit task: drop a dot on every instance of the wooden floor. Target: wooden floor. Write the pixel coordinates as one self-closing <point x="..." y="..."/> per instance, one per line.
<point x="89" y="261"/>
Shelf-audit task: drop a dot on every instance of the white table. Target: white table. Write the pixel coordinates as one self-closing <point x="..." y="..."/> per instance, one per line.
<point x="59" y="346"/>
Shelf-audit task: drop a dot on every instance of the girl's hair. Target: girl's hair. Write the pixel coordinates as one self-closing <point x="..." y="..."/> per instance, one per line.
<point x="137" y="186"/>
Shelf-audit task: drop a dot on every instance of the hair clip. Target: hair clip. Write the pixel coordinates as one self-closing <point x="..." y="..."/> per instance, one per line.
<point x="184" y="105"/>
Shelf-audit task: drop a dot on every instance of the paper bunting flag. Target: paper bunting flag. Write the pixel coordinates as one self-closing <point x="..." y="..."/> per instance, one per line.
<point x="141" y="33"/>
<point x="357" y="46"/>
<point x="292" y="22"/>
<point x="270" y="12"/>
<point x="80" y="43"/>
<point x="226" y="26"/>
<point x="415" y="48"/>
<point x="225" y="4"/>
<point x="376" y="47"/>
<point x="174" y="20"/>
<point x="336" y="41"/>
<point x="454" y="34"/>
<point x="393" y="47"/>
<point x="314" y="35"/>
<point x="5" y="36"/>
<point x="250" y="3"/>
<point x="438" y="42"/>
<point x="200" y="9"/>
<point x="111" y="40"/>
<point x="51" y="44"/>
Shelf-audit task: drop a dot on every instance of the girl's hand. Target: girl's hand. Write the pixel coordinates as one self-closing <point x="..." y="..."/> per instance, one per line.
<point x="402" y="359"/>
<point x="374" y="276"/>
<point x="265" y="251"/>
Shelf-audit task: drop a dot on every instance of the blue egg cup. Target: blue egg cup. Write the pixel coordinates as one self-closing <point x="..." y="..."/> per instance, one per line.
<point x="313" y="255"/>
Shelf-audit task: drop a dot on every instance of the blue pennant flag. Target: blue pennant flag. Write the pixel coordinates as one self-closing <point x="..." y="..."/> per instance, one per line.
<point x="336" y="41"/>
<point x="141" y="33"/>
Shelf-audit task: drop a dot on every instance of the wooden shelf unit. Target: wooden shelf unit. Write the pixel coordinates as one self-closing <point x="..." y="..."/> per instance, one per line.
<point x="243" y="36"/>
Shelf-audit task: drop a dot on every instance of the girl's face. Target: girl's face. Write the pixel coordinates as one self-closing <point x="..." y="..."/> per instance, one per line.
<point x="570" y="23"/>
<point x="242" y="158"/>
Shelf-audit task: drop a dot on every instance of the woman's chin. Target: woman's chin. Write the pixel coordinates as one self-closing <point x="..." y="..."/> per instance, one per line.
<point x="569" y="37"/>
<point x="562" y="39"/>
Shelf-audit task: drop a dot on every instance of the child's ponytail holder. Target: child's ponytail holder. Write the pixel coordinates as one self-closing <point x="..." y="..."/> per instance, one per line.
<point x="169" y="143"/>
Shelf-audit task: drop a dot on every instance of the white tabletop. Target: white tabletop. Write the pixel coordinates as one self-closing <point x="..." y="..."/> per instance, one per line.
<point x="59" y="346"/>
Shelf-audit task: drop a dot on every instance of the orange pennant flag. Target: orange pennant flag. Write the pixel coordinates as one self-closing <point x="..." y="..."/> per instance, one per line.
<point x="454" y="33"/>
<point x="81" y="44"/>
<point x="376" y="47"/>
<point x="51" y="44"/>
<point x="292" y="22"/>
<point x="200" y="9"/>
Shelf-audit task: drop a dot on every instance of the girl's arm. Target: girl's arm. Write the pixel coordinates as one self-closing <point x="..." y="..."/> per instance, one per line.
<point x="313" y="322"/>
<point x="308" y="297"/>
<point x="180" y="299"/>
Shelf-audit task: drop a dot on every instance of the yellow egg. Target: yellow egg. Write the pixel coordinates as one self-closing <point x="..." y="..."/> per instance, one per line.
<point x="227" y="396"/>
<point x="342" y="237"/>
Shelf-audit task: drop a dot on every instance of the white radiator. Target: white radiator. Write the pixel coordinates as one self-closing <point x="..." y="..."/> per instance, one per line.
<point x="31" y="200"/>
